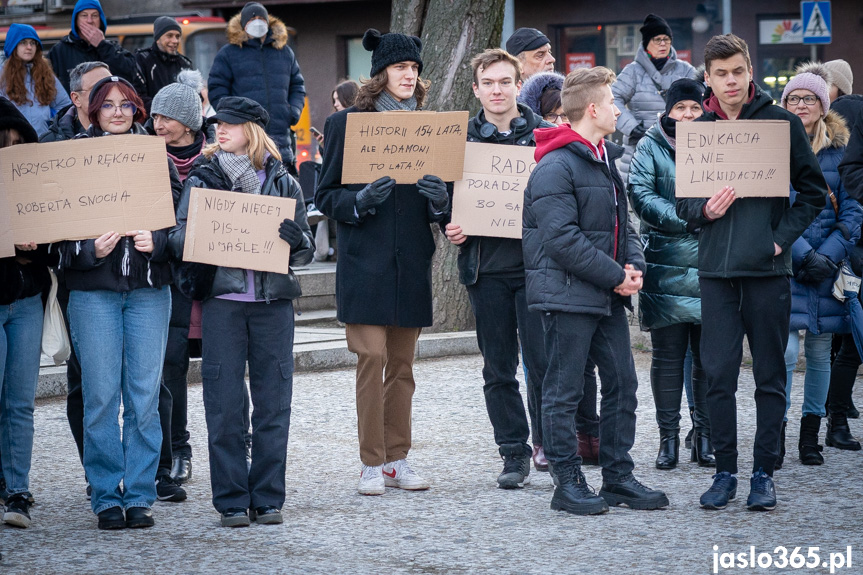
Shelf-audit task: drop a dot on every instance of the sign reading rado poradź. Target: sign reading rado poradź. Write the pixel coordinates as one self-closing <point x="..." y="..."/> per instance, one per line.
<point x="753" y="156"/>
<point x="404" y="145"/>
<point x="83" y="188"/>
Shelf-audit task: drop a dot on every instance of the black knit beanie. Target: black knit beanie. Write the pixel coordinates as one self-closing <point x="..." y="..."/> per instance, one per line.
<point x="165" y="24"/>
<point x="392" y="48"/>
<point x="654" y="26"/>
<point x="683" y="89"/>
<point x="251" y="10"/>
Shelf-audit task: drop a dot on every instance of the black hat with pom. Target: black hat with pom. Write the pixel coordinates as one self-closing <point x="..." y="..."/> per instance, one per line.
<point x="392" y="48"/>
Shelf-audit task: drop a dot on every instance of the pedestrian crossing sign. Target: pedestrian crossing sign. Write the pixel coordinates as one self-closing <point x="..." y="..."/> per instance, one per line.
<point x="817" y="23"/>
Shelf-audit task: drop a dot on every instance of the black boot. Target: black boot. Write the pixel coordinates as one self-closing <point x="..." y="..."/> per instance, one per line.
<point x="573" y="494"/>
<point x="669" y="450"/>
<point x="688" y="441"/>
<point x="702" y="450"/>
<point x="781" y="459"/>
<point x="810" y="451"/>
<point x="839" y="434"/>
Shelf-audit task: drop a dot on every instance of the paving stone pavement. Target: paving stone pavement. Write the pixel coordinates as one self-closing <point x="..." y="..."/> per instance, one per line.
<point x="464" y="524"/>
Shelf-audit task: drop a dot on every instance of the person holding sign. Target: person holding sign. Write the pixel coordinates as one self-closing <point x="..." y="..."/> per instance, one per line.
<point x="247" y="316"/>
<point x="119" y="307"/>
<point x="383" y="280"/>
<point x="743" y="267"/>
<point x="583" y="261"/>
<point x="669" y="305"/>
<point x="492" y="270"/>
<point x="816" y="256"/>
<point x="23" y="278"/>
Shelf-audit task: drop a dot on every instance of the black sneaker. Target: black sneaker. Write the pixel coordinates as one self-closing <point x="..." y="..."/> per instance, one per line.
<point x="168" y="490"/>
<point x="762" y="492"/>
<point x="235" y="517"/>
<point x="574" y="495"/>
<point x="723" y="490"/>
<point x="516" y="466"/>
<point x="633" y="494"/>
<point x="18" y="510"/>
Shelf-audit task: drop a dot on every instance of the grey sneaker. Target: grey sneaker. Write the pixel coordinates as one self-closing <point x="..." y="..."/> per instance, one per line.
<point x="516" y="466"/>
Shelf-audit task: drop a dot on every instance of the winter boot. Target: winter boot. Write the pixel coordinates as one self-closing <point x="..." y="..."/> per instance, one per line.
<point x="810" y="451"/>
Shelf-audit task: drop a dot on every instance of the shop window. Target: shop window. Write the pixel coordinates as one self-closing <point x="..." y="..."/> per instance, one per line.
<point x="358" y="60"/>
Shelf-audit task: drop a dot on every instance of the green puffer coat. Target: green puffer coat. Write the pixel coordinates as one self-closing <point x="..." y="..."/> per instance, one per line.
<point x="670" y="294"/>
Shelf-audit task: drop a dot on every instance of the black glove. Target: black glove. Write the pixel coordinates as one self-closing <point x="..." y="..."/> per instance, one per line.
<point x="434" y="189"/>
<point x="291" y="232"/>
<point x="636" y="134"/>
<point x="374" y="194"/>
<point x="816" y="268"/>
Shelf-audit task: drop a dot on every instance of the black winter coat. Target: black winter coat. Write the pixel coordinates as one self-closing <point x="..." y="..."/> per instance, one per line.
<point x="70" y="52"/>
<point x="384" y="271"/>
<point x="207" y="173"/>
<point x="851" y="167"/>
<point x="469" y="251"/>
<point x="569" y="232"/>
<point x="64" y="126"/>
<point x="19" y="281"/>
<point x="158" y="69"/>
<point x="740" y="244"/>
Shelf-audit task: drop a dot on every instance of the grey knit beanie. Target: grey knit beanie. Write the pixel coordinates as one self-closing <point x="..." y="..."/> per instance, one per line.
<point x="181" y="101"/>
<point x="843" y="77"/>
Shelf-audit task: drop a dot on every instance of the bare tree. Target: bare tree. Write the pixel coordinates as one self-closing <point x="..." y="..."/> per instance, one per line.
<point x="452" y="31"/>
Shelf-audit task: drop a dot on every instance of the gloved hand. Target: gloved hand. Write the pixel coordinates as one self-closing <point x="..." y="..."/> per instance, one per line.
<point x="637" y="133"/>
<point x="374" y="194"/>
<point x="291" y="232"/>
<point x="816" y="268"/>
<point x="434" y="189"/>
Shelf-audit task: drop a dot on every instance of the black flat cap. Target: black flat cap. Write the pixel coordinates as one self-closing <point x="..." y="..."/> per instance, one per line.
<point x="526" y="39"/>
<point x="239" y="110"/>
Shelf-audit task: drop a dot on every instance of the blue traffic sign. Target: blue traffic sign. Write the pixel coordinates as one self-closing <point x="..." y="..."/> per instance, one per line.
<point x="817" y="24"/>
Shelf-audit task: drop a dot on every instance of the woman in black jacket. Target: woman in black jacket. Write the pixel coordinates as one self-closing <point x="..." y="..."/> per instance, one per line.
<point x="23" y="278"/>
<point x="247" y="315"/>
<point x="119" y="306"/>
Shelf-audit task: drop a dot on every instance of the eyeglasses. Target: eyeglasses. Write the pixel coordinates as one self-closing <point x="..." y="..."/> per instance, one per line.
<point x="126" y="108"/>
<point x="28" y="42"/>
<point x="555" y="117"/>
<point x="661" y="40"/>
<point x="808" y="100"/>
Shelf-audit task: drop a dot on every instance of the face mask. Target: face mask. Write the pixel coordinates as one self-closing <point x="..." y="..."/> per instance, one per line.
<point x="257" y="28"/>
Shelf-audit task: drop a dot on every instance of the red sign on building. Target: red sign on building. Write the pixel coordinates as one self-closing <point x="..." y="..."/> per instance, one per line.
<point x="576" y="60"/>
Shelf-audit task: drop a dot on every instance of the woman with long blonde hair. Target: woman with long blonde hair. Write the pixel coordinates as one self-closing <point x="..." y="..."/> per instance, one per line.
<point x="27" y="79"/>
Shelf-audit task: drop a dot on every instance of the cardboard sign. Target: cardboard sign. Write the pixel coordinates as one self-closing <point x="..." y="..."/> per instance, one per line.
<point x="236" y="230"/>
<point x="81" y="189"/>
<point x="750" y="155"/>
<point x="489" y="199"/>
<point x="404" y="145"/>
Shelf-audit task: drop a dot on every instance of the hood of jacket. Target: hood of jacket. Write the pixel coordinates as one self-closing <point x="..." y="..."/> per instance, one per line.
<point x="277" y="34"/>
<point x="837" y="130"/>
<point x="757" y="99"/>
<point x="87" y="5"/>
<point x="550" y="139"/>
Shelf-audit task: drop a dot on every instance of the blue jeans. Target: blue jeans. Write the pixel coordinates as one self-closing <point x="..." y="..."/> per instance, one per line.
<point x="816" y="348"/>
<point x="20" y="350"/>
<point x="120" y="339"/>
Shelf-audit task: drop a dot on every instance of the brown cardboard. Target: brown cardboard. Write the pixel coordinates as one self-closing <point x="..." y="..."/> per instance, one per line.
<point x="404" y="145"/>
<point x="83" y="188"/>
<point x="753" y="156"/>
<point x="237" y="230"/>
<point x="489" y="199"/>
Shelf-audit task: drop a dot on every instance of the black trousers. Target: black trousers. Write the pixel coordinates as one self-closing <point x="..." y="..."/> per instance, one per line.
<point x="842" y="376"/>
<point x="666" y="375"/>
<point x="759" y="308"/>
<point x="176" y="370"/>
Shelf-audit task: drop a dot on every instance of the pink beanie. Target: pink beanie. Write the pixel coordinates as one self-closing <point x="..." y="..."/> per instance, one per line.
<point x="812" y="82"/>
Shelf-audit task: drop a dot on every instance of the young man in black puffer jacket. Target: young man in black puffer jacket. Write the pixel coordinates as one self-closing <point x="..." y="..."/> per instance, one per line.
<point x="583" y="261"/>
<point x="492" y="269"/>
<point x="744" y="262"/>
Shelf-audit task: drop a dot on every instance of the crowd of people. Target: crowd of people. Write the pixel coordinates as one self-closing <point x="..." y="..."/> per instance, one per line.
<point x="707" y="271"/>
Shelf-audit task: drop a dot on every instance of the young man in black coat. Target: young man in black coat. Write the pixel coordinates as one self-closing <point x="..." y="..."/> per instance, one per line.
<point x="583" y="261"/>
<point x="744" y="262"/>
<point x="160" y="63"/>
<point x="492" y="269"/>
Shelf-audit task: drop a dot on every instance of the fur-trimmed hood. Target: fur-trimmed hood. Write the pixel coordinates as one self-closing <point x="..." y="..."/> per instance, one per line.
<point x="278" y="33"/>
<point x="837" y="130"/>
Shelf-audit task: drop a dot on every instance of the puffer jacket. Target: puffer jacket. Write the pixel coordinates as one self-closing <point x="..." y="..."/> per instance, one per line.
<point x="266" y="72"/>
<point x="851" y="167"/>
<point x="740" y="243"/>
<point x="639" y="92"/>
<point x="813" y="306"/>
<point x="571" y="205"/>
<point x="207" y="173"/>
<point x="469" y="251"/>
<point x="64" y="126"/>
<point x="670" y="294"/>
<point x="158" y="69"/>
<point x="37" y="114"/>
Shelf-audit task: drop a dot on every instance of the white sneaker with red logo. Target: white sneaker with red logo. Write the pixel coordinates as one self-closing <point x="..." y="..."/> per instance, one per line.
<point x="399" y="474"/>
<point x="371" y="480"/>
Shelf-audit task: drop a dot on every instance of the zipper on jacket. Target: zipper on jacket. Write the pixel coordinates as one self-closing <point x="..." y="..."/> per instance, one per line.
<point x="567" y="279"/>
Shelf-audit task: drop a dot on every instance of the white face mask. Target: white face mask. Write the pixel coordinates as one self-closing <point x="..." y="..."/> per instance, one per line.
<point x="257" y="28"/>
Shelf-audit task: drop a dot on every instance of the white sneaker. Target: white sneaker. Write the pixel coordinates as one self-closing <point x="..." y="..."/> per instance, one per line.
<point x="399" y="474"/>
<point x="371" y="480"/>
